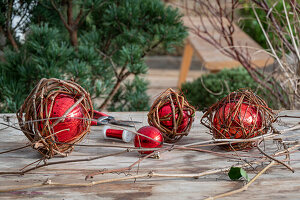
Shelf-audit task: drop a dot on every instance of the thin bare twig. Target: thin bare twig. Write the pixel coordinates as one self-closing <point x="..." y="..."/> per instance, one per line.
<point x="245" y="187"/>
<point x="64" y="161"/>
<point x="272" y="158"/>
<point x="15" y="149"/>
<point x="125" y="168"/>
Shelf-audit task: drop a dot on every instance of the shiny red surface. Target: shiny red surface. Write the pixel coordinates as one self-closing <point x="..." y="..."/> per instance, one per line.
<point x="114" y="133"/>
<point x="152" y="132"/>
<point x="165" y="112"/>
<point x="71" y="126"/>
<point x="184" y="122"/>
<point x="232" y="125"/>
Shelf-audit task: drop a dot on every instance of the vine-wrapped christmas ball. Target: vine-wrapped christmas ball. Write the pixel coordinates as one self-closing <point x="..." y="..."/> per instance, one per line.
<point x="172" y="115"/>
<point x="56" y="115"/>
<point x="240" y="115"/>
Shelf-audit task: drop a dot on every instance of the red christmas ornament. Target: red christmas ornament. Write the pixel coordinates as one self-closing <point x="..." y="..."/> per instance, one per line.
<point x="72" y="125"/>
<point x="240" y="115"/>
<point x="145" y="142"/>
<point x="172" y="115"/>
<point x="240" y="123"/>
<point x="166" y="118"/>
<point x="54" y="113"/>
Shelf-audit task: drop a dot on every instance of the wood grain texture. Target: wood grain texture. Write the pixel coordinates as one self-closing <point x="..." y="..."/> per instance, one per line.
<point x="277" y="183"/>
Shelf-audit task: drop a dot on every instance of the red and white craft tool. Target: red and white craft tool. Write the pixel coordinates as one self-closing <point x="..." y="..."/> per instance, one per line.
<point x="118" y="134"/>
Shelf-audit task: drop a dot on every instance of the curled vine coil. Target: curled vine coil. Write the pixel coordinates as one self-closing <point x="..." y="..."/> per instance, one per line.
<point x="35" y="121"/>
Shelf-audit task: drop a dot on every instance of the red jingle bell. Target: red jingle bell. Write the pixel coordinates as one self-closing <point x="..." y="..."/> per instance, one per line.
<point x="233" y="122"/>
<point x="69" y="127"/>
<point x="144" y="142"/>
<point x="166" y="118"/>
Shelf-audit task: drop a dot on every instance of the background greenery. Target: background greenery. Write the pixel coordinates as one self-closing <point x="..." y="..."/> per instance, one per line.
<point x="208" y="89"/>
<point x="248" y="22"/>
<point x="99" y="51"/>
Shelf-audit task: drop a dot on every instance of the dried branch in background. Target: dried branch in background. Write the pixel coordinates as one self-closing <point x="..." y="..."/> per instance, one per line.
<point x="72" y="22"/>
<point x="283" y="84"/>
<point x="14" y="15"/>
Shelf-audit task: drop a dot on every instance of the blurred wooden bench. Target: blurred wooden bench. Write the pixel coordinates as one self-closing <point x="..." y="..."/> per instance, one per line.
<point x="211" y="58"/>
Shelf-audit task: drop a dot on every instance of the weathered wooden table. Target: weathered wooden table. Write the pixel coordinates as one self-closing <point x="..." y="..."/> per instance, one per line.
<point x="277" y="183"/>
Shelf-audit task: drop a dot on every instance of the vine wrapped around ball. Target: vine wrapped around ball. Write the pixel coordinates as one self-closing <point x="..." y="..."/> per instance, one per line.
<point x="56" y="115"/>
<point x="240" y="115"/>
<point x="172" y="115"/>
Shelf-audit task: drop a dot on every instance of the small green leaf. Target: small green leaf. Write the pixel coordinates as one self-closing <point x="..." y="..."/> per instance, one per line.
<point x="236" y="173"/>
<point x="244" y="175"/>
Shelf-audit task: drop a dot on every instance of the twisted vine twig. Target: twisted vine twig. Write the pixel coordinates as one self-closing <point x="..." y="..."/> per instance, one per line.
<point x="245" y="187"/>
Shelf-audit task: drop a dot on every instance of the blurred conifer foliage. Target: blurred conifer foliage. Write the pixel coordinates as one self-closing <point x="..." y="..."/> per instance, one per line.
<point x="97" y="43"/>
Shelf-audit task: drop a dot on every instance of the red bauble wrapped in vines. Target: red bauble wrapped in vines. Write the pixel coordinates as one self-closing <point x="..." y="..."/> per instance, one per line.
<point x="172" y="115"/>
<point x="240" y="115"/>
<point x="71" y="126"/>
<point x="56" y="115"/>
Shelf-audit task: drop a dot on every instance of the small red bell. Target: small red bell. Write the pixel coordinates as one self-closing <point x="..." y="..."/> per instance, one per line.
<point x="144" y="142"/>
<point x="123" y="135"/>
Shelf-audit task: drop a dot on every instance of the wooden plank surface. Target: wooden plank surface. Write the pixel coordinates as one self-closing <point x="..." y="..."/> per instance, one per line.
<point x="277" y="183"/>
<point x="212" y="58"/>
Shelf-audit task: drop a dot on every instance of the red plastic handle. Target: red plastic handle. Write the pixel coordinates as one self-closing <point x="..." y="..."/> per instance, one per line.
<point x="97" y="114"/>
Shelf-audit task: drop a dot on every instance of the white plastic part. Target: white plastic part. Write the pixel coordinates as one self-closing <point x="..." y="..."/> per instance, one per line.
<point x="127" y="136"/>
<point x="104" y="131"/>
